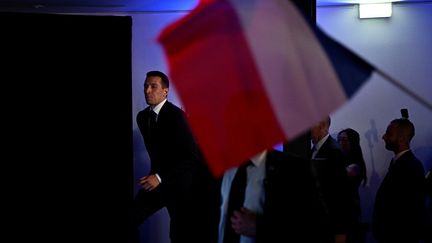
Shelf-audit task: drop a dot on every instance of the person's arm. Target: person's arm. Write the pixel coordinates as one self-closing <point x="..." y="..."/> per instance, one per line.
<point x="183" y="151"/>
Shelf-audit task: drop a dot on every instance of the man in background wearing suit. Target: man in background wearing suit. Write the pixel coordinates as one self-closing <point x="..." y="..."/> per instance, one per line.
<point x="399" y="209"/>
<point x="329" y="167"/>
<point x="179" y="178"/>
<point x="281" y="202"/>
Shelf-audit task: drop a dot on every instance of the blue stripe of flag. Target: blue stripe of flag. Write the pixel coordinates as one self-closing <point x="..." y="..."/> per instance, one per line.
<point x="352" y="70"/>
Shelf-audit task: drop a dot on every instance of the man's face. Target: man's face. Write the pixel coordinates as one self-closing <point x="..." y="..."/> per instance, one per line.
<point x="153" y="91"/>
<point x="390" y="137"/>
<point x="315" y="133"/>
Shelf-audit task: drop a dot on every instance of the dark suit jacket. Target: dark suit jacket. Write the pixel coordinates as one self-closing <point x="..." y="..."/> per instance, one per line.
<point x="292" y="209"/>
<point x="188" y="189"/>
<point x="399" y="209"/>
<point x="333" y="182"/>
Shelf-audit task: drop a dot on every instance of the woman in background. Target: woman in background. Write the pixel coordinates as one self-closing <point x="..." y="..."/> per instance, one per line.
<point x="349" y="141"/>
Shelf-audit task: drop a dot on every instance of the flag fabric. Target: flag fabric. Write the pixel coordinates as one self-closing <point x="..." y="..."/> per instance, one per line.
<point x="254" y="73"/>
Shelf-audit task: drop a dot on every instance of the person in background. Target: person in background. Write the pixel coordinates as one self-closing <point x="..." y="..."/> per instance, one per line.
<point x="399" y="209"/>
<point x="279" y="203"/>
<point x="329" y="166"/>
<point x="349" y="141"/>
<point x="179" y="178"/>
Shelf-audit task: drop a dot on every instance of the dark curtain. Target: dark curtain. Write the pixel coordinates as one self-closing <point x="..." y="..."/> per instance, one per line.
<point x="67" y="126"/>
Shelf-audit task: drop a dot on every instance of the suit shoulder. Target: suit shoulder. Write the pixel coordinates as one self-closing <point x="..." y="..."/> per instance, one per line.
<point x="333" y="143"/>
<point x="141" y="114"/>
<point x="276" y="156"/>
<point x="171" y="107"/>
<point x="173" y="110"/>
<point x="411" y="161"/>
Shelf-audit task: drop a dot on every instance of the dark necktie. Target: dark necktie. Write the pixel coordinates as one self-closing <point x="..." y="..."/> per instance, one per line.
<point x="392" y="162"/>
<point x="235" y="201"/>
<point x="152" y="119"/>
<point x="313" y="151"/>
<point x="151" y="131"/>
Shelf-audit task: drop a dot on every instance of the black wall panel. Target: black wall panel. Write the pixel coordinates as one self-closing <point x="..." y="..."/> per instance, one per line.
<point x="65" y="87"/>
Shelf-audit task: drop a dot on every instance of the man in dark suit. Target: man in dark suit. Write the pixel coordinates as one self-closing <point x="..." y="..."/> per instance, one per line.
<point x="179" y="178"/>
<point x="329" y="167"/>
<point x="281" y="202"/>
<point x="399" y="209"/>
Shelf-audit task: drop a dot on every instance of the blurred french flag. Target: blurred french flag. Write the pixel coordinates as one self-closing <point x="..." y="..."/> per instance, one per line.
<point x="254" y="73"/>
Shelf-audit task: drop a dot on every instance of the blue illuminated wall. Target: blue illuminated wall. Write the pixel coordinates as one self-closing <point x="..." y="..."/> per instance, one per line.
<point x="400" y="46"/>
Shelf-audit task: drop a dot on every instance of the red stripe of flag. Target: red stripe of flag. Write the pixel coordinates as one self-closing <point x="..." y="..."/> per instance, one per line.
<point x="223" y="94"/>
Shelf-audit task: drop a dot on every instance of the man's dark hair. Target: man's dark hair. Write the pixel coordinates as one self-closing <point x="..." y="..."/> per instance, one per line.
<point x="163" y="76"/>
<point x="356" y="154"/>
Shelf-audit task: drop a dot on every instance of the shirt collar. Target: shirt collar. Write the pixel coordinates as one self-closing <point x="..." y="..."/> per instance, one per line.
<point x="321" y="142"/>
<point x="259" y="159"/>
<point x="158" y="107"/>
<point x="397" y="156"/>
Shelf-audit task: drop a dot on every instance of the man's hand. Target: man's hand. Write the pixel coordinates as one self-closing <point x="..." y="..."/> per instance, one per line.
<point x="340" y="238"/>
<point x="149" y="182"/>
<point x="244" y="222"/>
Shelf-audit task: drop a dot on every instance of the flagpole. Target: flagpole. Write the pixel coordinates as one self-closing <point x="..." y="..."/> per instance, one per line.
<point x="404" y="88"/>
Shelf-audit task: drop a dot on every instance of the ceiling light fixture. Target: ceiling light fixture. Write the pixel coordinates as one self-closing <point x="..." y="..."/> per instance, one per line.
<point x="375" y="10"/>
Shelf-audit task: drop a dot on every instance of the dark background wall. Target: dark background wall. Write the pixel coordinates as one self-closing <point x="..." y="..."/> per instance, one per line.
<point x="66" y="126"/>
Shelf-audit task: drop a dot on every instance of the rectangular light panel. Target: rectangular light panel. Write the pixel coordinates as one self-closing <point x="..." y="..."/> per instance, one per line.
<point x="375" y="10"/>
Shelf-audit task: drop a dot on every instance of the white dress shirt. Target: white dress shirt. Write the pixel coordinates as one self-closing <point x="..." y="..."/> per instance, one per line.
<point x="157" y="109"/>
<point x="254" y="194"/>
<point x="318" y="145"/>
<point x="397" y="156"/>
